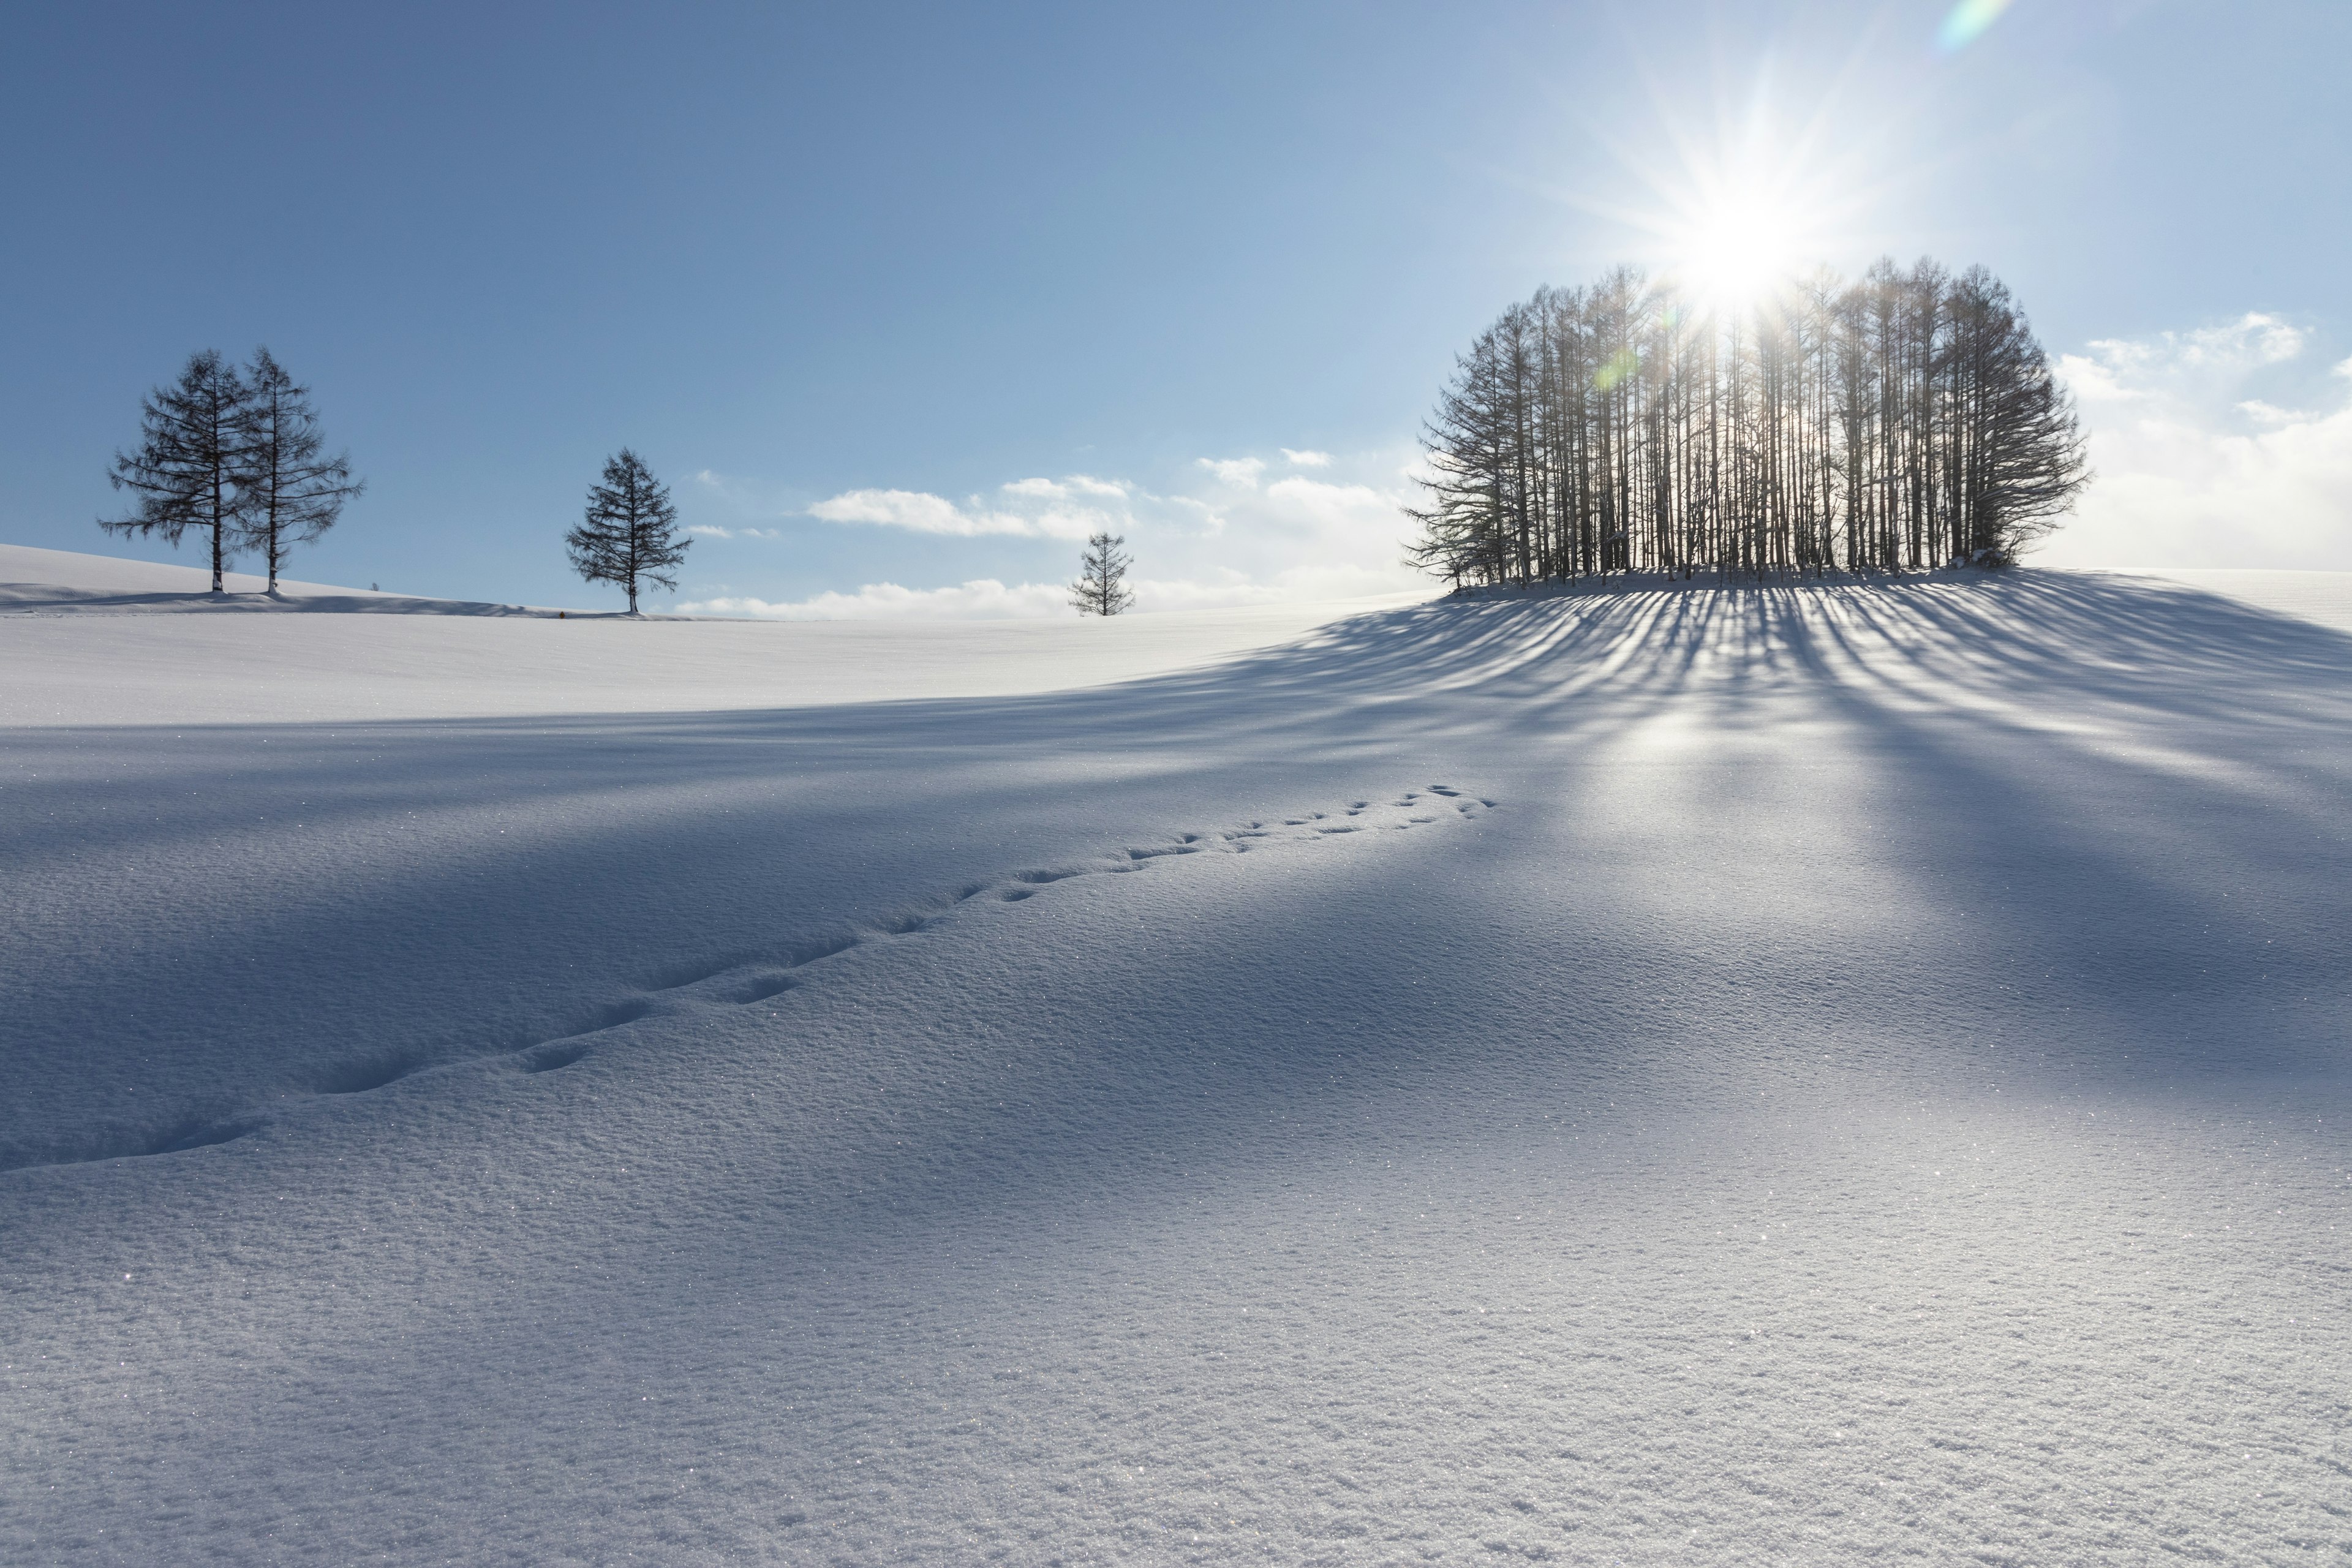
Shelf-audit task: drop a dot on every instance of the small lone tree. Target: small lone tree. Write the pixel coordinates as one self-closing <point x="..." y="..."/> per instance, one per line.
<point x="1101" y="588"/>
<point x="288" y="494"/>
<point x="630" y="532"/>
<point x="191" y="446"/>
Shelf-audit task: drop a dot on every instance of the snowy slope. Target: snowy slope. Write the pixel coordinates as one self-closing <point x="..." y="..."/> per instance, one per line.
<point x="1787" y="1074"/>
<point x="141" y="645"/>
<point x="2322" y="596"/>
<point x="34" y="581"/>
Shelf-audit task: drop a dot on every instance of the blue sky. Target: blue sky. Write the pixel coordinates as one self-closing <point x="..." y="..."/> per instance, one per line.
<point x="898" y="298"/>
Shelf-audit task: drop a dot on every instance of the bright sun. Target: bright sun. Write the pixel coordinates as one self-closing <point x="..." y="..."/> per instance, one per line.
<point x="1732" y="255"/>
<point x="1746" y="201"/>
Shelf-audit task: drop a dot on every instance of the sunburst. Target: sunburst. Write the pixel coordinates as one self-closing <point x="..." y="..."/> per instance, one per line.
<point x="1739" y="200"/>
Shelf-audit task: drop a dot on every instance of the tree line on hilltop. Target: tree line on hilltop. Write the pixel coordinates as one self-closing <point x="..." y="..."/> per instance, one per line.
<point x="1908" y="420"/>
<point x="1904" y="421"/>
<point x="236" y="454"/>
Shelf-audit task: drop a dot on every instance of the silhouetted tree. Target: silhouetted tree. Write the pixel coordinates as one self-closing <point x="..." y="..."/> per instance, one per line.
<point x="288" y="493"/>
<point x="185" y="472"/>
<point x="630" y="532"/>
<point x="1101" y="587"/>
<point x="1904" y="421"/>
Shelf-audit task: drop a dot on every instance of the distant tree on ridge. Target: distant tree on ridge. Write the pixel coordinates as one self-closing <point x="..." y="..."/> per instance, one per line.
<point x="630" y="532"/>
<point x="184" y="472"/>
<point x="1101" y="588"/>
<point x="288" y="494"/>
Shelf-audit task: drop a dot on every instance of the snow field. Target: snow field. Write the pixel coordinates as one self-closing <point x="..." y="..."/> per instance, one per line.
<point x="127" y="642"/>
<point x="1870" y="1084"/>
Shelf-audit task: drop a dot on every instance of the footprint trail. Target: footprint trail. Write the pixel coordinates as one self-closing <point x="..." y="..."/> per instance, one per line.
<point x="744" y="981"/>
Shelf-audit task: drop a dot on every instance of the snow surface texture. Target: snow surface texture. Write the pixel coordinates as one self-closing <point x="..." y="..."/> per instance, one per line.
<point x="1788" y="1074"/>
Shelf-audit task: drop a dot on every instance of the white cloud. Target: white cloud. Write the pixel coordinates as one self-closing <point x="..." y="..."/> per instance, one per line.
<point x="1064" y="489"/>
<point x="2229" y="350"/>
<point x="2193" y="471"/>
<point x="899" y="509"/>
<point x="1326" y="503"/>
<point x="983" y="598"/>
<point x="712" y="530"/>
<point x="1239" y="472"/>
<point x="1294" y="539"/>
<point x="1222" y="535"/>
<point x="922" y="512"/>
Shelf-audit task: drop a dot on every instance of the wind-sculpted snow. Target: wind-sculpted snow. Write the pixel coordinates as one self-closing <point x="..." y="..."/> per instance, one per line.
<point x="1787" y="1074"/>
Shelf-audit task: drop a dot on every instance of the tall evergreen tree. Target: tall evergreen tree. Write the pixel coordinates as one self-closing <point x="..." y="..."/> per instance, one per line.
<point x="185" y="472"/>
<point x="630" y="532"/>
<point x="290" y="495"/>
<point x="1101" y="588"/>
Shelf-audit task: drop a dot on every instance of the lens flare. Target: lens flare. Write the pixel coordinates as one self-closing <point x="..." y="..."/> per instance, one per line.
<point x="1622" y="364"/>
<point x="1968" y="23"/>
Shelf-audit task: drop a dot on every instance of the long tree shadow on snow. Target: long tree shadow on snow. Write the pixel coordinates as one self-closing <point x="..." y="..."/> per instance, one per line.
<point x="2223" y="723"/>
<point x="2082" y="768"/>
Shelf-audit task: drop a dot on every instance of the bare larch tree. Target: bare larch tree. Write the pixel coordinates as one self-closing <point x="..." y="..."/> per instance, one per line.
<point x="630" y="532"/>
<point x="1101" y="588"/>
<point x="288" y="494"/>
<point x="184" y="472"/>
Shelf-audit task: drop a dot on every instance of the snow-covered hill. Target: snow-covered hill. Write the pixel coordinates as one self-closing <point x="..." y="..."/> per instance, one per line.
<point x="1787" y="1074"/>
<point x="34" y="581"/>
<point x="148" y="645"/>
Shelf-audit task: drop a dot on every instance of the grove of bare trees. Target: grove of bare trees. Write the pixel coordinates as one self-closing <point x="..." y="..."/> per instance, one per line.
<point x="1906" y="421"/>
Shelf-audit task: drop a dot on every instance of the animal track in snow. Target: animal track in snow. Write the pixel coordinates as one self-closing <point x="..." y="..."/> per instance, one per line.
<point x="211" y="1134"/>
<point x="361" y="1077"/>
<point x="547" y="1058"/>
<point x="612" y="1018"/>
<point x="751" y="979"/>
<point x="761" y="987"/>
<point x="195" y="1133"/>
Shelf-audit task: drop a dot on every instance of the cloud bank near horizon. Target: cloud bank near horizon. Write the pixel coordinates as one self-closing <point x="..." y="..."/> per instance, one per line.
<point x="1226" y="534"/>
<point x="2226" y="446"/>
<point x="1069" y="508"/>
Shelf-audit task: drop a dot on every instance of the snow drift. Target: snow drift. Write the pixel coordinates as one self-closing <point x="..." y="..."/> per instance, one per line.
<point x="1792" y="1072"/>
